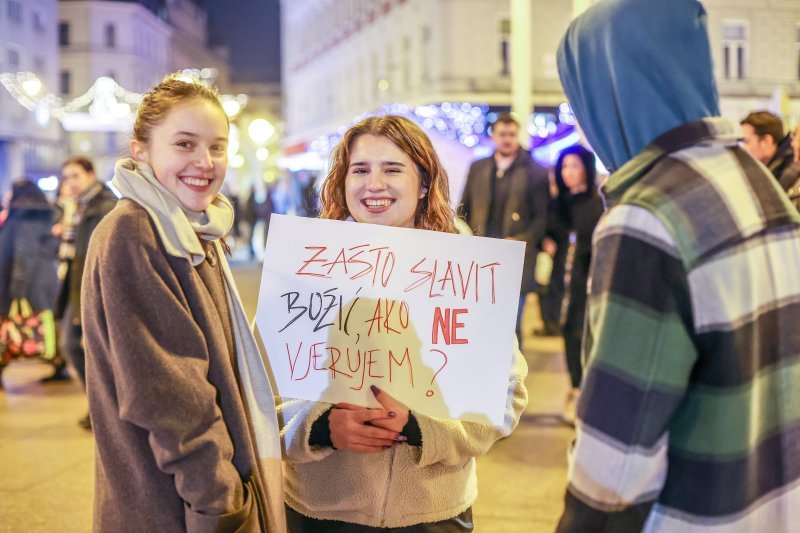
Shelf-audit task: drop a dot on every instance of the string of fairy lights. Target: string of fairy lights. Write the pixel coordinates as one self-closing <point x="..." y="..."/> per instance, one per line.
<point x="105" y="98"/>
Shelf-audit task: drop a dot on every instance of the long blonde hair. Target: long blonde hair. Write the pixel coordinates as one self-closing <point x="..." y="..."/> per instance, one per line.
<point x="433" y="211"/>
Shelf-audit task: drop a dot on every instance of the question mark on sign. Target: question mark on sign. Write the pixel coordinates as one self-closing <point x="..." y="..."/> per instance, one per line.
<point x="430" y="392"/>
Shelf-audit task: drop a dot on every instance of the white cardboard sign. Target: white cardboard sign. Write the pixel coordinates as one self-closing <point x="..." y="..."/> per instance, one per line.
<point x="426" y="316"/>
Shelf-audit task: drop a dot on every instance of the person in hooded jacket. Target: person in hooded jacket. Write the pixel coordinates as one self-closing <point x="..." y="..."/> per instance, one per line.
<point x="28" y="253"/>
<point x="688" y="418"/>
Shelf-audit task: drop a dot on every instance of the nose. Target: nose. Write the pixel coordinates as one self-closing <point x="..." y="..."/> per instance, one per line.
<point x="204" y="160"/>
<point x="376" y="181"/>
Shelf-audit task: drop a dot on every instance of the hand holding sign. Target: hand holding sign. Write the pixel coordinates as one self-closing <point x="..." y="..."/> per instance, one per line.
<point x="426" y="316"/>
<point x="358" y="429"/>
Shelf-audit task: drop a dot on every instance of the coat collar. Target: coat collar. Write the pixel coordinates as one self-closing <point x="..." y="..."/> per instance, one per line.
<point x="704" y="131"/>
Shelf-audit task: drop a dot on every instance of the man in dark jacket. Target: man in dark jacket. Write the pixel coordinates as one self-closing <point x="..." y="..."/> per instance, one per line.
<point x="95" y="201"/>
<point x="506" y="197"/>
<point x="763" y="138"/>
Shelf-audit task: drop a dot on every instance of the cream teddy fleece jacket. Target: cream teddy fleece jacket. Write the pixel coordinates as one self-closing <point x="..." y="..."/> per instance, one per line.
<point x="402" y="486"/>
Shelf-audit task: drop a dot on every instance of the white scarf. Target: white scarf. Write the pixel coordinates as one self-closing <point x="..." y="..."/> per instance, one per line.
<point x="179" y="230"/>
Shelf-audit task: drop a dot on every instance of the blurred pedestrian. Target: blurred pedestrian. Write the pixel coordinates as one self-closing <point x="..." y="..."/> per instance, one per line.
<point x="65" y="224"/>
<point x="578" y="209"/>
<point x="764" y="139"/>
<point x="794" y="190"/>
<point x="28" y="256"/>
<point x="506" y="197"/>
<point x="184" y="420"/>
<point x="339" y="457"/>
<point x="687" y="414"/>
<point x="556" y="245"/>
<point x="93" y="201"/>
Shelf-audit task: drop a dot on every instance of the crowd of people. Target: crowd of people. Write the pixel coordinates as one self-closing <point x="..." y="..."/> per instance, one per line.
<point x="673" y="284"/>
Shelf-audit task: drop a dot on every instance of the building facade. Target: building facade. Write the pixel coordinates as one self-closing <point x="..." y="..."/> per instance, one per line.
<point x="135" y="43"/>
<point x="756" y="48"/>
<point x="189" y="43"/>
<point x="29" y="142"/>
<point x="344" y="58"/>
<point x="128" y="42"/>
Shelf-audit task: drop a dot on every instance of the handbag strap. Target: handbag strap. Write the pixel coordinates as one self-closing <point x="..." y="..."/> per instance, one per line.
<point x="25" y="308"/>
<point x="20" y="307"/>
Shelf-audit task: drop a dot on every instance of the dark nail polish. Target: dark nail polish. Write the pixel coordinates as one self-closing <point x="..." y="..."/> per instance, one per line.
<point x="392" y="414"/>
<point x="374" y="389"/>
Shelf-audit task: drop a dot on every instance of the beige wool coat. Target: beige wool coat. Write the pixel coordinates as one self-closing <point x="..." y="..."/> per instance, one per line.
<point x="174" y="447"/>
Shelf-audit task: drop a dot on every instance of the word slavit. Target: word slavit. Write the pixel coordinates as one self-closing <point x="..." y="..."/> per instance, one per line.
<point x="440" y="277"/>
<point x="349" y="363"/>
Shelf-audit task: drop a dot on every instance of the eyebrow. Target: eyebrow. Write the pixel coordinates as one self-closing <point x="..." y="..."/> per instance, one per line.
<point x="384" y="163"/>
<point x="194" y="135"/>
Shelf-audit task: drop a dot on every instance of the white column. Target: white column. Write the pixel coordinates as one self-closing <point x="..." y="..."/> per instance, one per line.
<point x="579" y="6"/>
<point x="521" y="83"/>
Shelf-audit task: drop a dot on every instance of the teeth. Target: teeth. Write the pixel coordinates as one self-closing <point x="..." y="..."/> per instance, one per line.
<point x="378" y="203"/>
<point x="196" y="182"/>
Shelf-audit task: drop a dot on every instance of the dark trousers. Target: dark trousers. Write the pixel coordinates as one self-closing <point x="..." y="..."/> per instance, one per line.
<point x="551" y="296"/>
<point x="573" y="330"/>
<point x="298" y="523"/>
<point x="520" y="309"/>
<point x="72" y="343"/>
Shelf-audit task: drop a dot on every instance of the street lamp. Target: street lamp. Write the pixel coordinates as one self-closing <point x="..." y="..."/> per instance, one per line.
<point x="260" y="130"/>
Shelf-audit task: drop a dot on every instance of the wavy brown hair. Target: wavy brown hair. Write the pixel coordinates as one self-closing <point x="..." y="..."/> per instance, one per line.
<point x="433" y="211"/>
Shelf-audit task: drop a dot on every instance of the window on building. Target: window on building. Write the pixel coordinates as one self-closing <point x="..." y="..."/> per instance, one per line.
<point x="38" y="21"/>
<point x="39" y="65"/>
<point x="425" y="50"/>
<point x="13" y="59"/>
<point x="14" y="10"/>
<point x="735" y="49"/>
<point x="65" y="82"/>
<point x="406" y="63"/>
<point x="110" y="36"/>
<point x="63" y="33"/>
<point x="504" y="32"/>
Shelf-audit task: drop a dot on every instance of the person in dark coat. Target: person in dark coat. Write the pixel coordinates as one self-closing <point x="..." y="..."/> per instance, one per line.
<point x="763" y="138"/>
<point x="506" y="197"/>
<point x="94" y="201"/>
<point x="555" y="244"/>
<point x="28" y="254"/>
<point x="578" y="209"/>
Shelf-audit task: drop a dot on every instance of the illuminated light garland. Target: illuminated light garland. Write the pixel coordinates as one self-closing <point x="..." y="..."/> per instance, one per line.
<point x="103" y="99"/>
<point x="462" y="121"/>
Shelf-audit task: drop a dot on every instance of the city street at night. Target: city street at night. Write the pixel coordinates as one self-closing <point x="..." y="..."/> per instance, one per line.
<point x="349" y="206"/>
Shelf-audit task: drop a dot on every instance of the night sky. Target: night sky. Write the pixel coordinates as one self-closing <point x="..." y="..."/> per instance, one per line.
<point x="251" y="31"/>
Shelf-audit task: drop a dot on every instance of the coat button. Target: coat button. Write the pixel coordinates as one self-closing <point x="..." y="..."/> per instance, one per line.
<point x="515" y="216"/>
<point x="211" y="258"/>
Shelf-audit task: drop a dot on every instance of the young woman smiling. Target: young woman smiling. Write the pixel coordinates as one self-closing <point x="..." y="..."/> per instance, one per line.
<point x="170" y="356"/>
<point x="353" y="469"/>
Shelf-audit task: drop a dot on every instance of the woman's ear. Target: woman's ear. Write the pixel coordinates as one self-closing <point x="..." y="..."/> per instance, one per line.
<point x="138" y="151"/>
<point x="423" y="192"/>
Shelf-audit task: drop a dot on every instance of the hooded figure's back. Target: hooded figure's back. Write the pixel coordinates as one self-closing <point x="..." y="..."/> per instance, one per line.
<point x="689" y="418"/>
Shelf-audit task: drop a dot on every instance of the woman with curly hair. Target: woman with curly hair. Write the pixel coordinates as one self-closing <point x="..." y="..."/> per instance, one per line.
<point x="392" y="468"/>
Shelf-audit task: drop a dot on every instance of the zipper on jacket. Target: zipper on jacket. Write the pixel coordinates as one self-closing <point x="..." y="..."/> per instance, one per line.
<point x="388" y="486"/>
